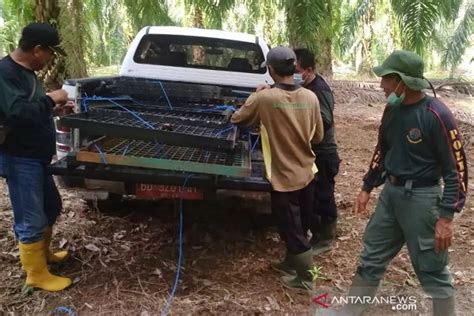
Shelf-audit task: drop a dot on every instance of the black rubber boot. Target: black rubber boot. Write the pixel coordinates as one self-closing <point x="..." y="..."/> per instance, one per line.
<point x="303" y="264"/>
<point x="324" y="241"/>
<point x="284" y="266"/>
<point x="444" y="307"/>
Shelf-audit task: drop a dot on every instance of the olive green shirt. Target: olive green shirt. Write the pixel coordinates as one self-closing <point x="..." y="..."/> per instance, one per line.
<point x="290" y="121"/>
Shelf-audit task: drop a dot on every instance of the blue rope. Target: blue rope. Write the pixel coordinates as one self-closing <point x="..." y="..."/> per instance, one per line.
<point x="255" y="144"/>
<point x="159" y="148"/>
<point x="125" y="150"/>
<point x="166" y="95"/>
<point x="97" y="98"/>
<point x="206" y="156"/>
<point x="112" y="100"/>
<point x="139" y="103"/>
<point x="84" y="105"/>
<point x="165" y="310"/>
<point x="250" y="140"/>
<point x="102" y="155"/>
<point x="61" y="310"/>
<point x="219" y="108"/>
<point x="224" y="130"/>
<point x="133" y="113"/>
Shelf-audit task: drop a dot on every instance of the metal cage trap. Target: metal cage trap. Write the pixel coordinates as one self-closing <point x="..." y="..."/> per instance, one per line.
<point x="191" y="137"/>
<point x="155" y="155"/>
<point x="183" y="128"/>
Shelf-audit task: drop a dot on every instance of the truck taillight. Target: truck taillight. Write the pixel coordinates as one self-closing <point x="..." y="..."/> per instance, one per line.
<point x="63" y="148"/>
<point x="63" y="137"/>
<point x="63" y="140"/>
<point x="63" y="129"/>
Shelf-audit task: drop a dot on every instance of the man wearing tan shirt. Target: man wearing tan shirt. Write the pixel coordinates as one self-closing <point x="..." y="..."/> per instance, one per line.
<point x="290" y="121"/>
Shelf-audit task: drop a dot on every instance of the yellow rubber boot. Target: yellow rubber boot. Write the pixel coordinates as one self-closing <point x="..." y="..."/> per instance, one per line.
<point x="56" y="257"/>
<point x="33" y="259"/>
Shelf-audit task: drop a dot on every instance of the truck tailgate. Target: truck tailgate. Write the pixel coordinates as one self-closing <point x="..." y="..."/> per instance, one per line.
<point x="153" y="176"/>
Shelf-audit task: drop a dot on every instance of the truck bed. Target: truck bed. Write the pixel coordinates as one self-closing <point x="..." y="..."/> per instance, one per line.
<point x="133" y="175"/>
<point x="108" y="106"/>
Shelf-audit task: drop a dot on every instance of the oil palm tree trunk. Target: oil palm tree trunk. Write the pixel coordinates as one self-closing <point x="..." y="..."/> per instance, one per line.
<point x="365" y="67"/>
<point x="48" y="11"/>
<point x="73" y="33"/>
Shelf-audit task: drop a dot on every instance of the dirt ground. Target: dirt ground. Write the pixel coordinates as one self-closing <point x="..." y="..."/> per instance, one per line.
<point x="124" y="262"/>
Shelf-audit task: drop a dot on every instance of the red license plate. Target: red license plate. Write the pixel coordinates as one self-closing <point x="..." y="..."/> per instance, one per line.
<point x="159" y="191"/>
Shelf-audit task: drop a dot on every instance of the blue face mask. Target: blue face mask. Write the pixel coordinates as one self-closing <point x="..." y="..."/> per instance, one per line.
<point x="298" y="78"/>
<point x="394" y="100"/>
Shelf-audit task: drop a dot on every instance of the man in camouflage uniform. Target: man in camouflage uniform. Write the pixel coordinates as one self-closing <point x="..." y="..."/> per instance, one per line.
<point x="418" y="144"/>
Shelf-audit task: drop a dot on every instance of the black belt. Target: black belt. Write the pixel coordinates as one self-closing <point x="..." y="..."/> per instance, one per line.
<point x="419" y="183"/>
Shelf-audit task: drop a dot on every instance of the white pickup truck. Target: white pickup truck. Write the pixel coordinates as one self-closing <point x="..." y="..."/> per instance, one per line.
<point x="180" y="68"/>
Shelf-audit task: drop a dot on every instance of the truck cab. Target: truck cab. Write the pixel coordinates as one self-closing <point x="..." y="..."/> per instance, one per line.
<point x="180" y="69"/>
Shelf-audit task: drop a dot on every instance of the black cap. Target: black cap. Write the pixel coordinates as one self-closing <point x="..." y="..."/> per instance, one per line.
<point x="42" y="34"/>
<point x="280" y="56"/>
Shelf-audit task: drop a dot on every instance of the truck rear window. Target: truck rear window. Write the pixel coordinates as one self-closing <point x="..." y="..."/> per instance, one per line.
<point x="200" y="52"/>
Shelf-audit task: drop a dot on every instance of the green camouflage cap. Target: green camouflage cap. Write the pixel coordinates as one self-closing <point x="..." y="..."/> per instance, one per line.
<point x="408" y="65"/>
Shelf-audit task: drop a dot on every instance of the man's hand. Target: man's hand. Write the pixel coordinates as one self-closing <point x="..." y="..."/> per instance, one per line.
<point x="262" y="86"/>
<point x="64" y="109"/>
<point x="360" y="204"/>
<point x="443" y="234"/>
<point x="58" y="96"/>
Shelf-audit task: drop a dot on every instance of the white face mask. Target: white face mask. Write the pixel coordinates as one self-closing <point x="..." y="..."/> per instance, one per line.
<point x="393" y="99"/>
<point x="298" y="78"/>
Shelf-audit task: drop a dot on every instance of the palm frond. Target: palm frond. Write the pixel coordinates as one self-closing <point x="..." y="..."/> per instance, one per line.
<point x="441" y="36"/>
<point x="96" y="11"/>
<point x="351" y="25"/>
<point x="16" y="14"/>
<point x="148" y="12"/>
<point x="449" y="8"/>
<point x="305" y="21"/>
<point x="254" y="14"/>
<point x="255" y="7"/>
<point x="215" y="11"/>
<point x="459" y="41"/>
<point x="276" y="28"/>
<point x="416" y="18"/>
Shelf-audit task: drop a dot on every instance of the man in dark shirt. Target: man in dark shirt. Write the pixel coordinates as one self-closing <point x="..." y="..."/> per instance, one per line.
<point x="27" y="147"/>
<point x="323" y="222"/>
<point x="419" y="143"/>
